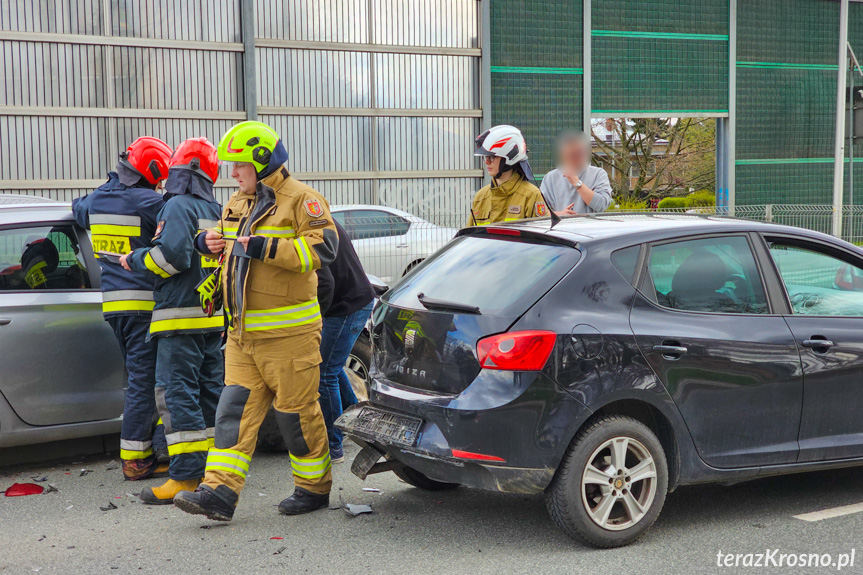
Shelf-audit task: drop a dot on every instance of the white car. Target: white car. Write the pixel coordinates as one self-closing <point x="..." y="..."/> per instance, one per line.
<point x="388" y="241"/>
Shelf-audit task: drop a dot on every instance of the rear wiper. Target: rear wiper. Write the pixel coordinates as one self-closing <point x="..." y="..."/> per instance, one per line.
<point x="443" y="305"/>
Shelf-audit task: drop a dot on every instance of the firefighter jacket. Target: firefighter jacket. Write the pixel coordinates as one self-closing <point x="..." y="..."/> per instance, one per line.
<point x="121" y="219"/>
<point x="272" y="291"/>
<point x="178" y="268"/>
<point x="514" y="199"/>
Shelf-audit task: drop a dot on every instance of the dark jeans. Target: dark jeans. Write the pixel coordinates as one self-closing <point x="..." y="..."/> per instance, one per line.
<point x="337" y="338"/>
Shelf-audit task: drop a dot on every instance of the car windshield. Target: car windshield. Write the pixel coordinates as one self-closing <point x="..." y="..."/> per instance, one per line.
<point x="499" y="276"/>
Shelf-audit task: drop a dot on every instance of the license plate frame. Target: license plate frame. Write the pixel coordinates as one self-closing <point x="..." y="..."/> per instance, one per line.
<point x="389" y="427"/>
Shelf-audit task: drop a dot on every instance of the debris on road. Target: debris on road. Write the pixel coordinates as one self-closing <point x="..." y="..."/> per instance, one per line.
<point x="112" y="466"/>
<point x="85" y="472"/>
<point x="372" y="489"/>
<point x="19" y="489"/>
<point x="52" y="489"/>
<point x="38" y="478"/>
<point x="354" y="509"/>
<point x="279" y="550"/>
<point x="68" y="508"/>
<point x="108" y="506"/>
<point x="276" y="537"/>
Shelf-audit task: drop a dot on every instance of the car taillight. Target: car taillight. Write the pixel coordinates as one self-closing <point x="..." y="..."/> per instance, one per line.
<point x="504" y="232"/>
<point x="516" y="351"/>
<point x="477" y="456"/>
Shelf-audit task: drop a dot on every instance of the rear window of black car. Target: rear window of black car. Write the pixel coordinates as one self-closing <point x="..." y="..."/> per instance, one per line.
<point x="499" y="276"/>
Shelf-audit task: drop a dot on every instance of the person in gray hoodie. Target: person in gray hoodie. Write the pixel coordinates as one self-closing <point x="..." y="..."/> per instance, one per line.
<point x="575" y="186"/>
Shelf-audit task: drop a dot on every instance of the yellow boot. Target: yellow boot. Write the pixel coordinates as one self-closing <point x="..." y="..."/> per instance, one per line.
<point x="164" y="494"/>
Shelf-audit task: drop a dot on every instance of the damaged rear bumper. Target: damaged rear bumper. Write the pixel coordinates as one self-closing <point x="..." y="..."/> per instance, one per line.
<point x="432" y="456"/>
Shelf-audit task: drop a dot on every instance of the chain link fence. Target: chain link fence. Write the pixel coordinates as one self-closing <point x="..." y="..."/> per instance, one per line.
<point x="391" y="242"/>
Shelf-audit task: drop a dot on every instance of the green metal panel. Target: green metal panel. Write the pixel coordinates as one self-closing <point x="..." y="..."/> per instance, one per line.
<point x="541" y="105"/>
<point x="645" y="74"/>
<point x="674" y="16"/>
<point x="536" y="33"/>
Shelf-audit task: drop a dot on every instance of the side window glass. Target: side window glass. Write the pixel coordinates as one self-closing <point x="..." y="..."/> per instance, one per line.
<point x="42" y="258"/>
<point x="400" y="226"/>
<point x="818" y="283"/>
<point x="625" y="261"/>
<point x="709" y="275"/>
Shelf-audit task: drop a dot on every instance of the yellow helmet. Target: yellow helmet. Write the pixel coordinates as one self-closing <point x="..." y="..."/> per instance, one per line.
<point x="252" y="142"/>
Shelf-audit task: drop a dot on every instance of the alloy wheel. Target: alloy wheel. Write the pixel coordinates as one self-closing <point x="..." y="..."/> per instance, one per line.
<point x="618" y="484"/>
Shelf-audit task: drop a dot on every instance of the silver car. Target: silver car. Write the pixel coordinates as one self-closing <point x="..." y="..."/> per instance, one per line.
<point x="61" y="372"/>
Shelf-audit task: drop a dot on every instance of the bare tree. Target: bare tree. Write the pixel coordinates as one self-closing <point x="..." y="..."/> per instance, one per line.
<point x="672" y="155"/>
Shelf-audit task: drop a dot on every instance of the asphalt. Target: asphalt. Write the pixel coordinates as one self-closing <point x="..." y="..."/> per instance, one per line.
<point x="410" y="531"/>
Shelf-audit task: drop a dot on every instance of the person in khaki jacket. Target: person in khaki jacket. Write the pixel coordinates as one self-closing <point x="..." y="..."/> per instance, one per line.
<point x="511" y="195"/>
<point x="275" y="232"/>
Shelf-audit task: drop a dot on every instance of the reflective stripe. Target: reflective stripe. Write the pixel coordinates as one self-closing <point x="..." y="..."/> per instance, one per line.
<point x="126" y="294"/>
<point x="115" y="219"/>
<point x="160" y="422"/>
<point x="127" y="305"/>
<point x="511" y="219"/>
<point x="124" y="231"/>
<point x="264" y="319"/>
<point x="128" y="454"/>
<point x="156" y="263"/>
<point x="311" y="468"/>
<point x="188" y="447"/>
<point x="305" y="255"/>
<point x="229" y="233"/>
<point x="211" y="437"/>
<point x="135" y="449"/>
<point x="207" y="224"/>
<point x="135" y="445"/>
<point x="275" y="232"/>
<point x="185" y="436"/>
<point x="228" y="460"/>
<point x="115" y="225"/>
<point x="127" y="300"/>
<point x="184" y="318"/>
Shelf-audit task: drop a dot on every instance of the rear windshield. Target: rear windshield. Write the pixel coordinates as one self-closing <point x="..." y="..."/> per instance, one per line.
<point x="499" y="276"/>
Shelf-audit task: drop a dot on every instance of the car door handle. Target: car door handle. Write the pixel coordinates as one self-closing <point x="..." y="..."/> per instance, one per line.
<point x="817" y="341"/>
<point x="5" y="320"/>
<point x="401" y="245"/>
<point x="670" y="351"/>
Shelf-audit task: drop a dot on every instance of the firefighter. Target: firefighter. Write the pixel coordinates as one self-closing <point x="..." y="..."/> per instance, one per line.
<point x="122" y="215"/>
<point x="189" y="362"/>
<point x="277" y="232"/>
<point x="511" y="195"/>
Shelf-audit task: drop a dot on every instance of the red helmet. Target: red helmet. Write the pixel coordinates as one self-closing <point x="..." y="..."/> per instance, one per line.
<point x="149" y="157"/>
<point x="198" y="155"/>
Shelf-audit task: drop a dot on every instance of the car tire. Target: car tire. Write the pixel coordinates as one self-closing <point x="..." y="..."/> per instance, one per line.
<point x="360" y="359"/>
<point x="619" y="512"/>
<point x="420" y="480"/>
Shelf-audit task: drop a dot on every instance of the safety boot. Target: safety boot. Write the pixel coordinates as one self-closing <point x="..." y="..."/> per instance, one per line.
<point x="217" y="504"/>
<point x="160" y="471"/>
<point x="164" y="494"/>
<point x="303" y="501"/>
<point x="138" y="469"/>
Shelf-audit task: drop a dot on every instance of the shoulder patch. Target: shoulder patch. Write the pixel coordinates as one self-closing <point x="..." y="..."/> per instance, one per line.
<point x="159" y="229"/>
<point x="539" y="209"/>
<point x="515" y="209"/>
<point x="316" y="223"/>
<point x="313" y="208"/>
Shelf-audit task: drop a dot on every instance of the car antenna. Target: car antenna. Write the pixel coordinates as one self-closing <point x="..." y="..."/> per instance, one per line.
<point x="528" y="173"/>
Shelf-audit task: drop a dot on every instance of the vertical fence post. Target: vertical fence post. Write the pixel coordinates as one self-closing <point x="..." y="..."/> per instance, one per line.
<point x="110" y="90"/>
<point x="587" y="75"/>
<point x="731" y="128"/>
<point x="722" y="167"/>
<point x="485" y="70"/>
<point x="839" y="146"/>
<point x="768" y="213"/>
<point x="250" y="68"/>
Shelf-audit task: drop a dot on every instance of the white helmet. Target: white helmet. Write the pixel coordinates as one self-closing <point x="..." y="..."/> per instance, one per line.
<point x="503" y="141"/>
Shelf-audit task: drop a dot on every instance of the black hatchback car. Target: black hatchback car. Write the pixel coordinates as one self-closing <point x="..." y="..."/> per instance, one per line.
<point x="614" y="357"/>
